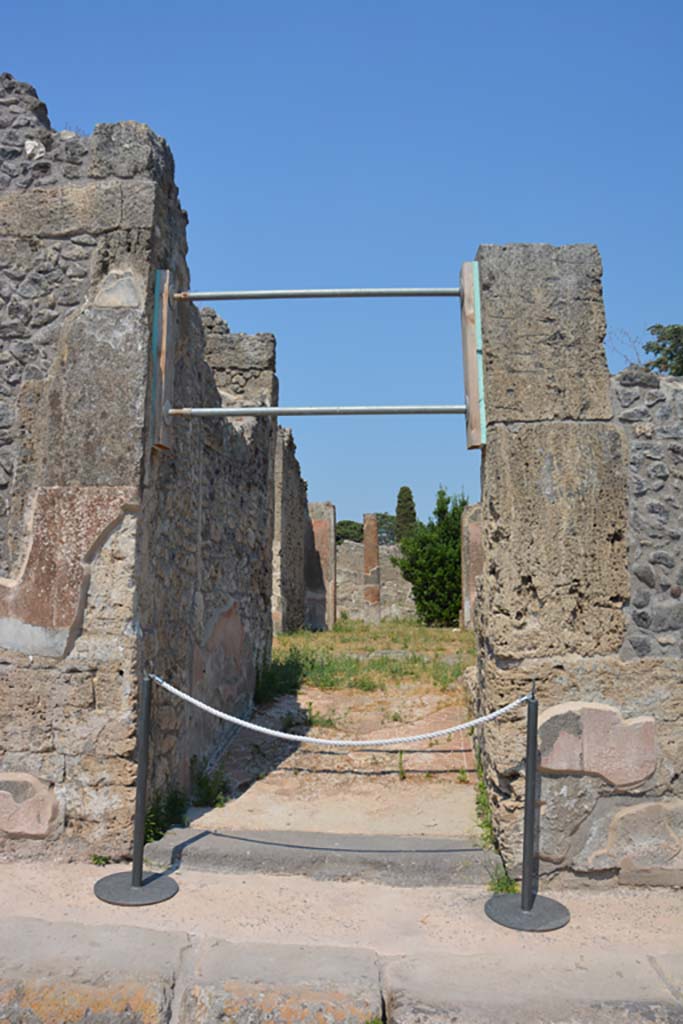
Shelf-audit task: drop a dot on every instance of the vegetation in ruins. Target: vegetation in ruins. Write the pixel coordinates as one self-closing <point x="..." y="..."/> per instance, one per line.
<point x="389" y="653"/>
<point x="430" y="561"/>
<point x="500" y="881"/>
<point x="666" y="345"/>
<point x="349" y="529"/>
<point x="406" y="516"/>
<point x="164" y="811"/>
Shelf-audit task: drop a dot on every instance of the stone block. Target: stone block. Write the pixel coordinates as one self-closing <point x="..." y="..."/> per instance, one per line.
<point x="543" y="324"/>
<point x="128" y="149"/>
<point x="594" y="739"/>
<point x="638" y="836"/>
<point x="554" y="514"/>
<point x="28" y="806"/>
<point x="68" y="973"/>
<point x="282" y="984"/>
<point x="61" y="212"/>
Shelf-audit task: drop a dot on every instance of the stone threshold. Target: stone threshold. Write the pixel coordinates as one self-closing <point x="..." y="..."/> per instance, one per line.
<point x="404" y="861"/>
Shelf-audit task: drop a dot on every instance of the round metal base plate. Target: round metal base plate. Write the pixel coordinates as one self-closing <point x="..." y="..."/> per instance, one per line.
<point x="119" y="890"/>
<point x="546" y="915"/>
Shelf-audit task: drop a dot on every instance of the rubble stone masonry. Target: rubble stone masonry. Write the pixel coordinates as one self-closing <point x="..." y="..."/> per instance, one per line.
<point x="115" y="559"/>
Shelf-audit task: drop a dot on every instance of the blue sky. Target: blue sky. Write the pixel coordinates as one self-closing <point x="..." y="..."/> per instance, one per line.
<point x="377" y="144"/>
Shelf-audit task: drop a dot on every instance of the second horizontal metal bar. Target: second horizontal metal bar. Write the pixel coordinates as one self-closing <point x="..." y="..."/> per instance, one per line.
<point x="322" y="293"/>
<point x="331" y="410"/>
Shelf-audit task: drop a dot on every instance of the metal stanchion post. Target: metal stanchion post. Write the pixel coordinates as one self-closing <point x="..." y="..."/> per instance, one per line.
<point x="529" y="912"/>
<point x="131" y="888"/>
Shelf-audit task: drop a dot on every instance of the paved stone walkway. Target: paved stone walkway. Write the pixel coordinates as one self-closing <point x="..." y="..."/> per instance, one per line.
<point x="256" y="948"/>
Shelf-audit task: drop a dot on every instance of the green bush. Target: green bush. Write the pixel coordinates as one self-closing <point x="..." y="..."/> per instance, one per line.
<point x="348" y="529"/>
<point x="430" y="561"/>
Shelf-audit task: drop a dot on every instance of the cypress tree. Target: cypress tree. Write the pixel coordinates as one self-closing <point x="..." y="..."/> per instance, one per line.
<point x="405" y="513"/>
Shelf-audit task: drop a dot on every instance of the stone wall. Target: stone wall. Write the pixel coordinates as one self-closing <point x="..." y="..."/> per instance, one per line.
<point x="320" y="566"/>
<point x="395" y="595"/>
<point x="291" y="520"/>
<point x="650" y="410"/>
<point x="578" y="504"/>
<point x="472" y="562"/>
<point x="117" y="559"/>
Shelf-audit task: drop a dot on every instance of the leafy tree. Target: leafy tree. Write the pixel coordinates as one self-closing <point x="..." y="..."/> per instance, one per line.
<point x="430" y="561"/>
<point x="667" y="348"/>
<point x="349" y="529"/>
<point x="406" y="517"/>
<point x="386" y="528"/>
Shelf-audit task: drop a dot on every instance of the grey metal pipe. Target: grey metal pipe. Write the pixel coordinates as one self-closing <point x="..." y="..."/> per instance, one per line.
<point x="529" y="854"/>
<point x="322" y="293"/>
<point x="333" y="410"/>
<point x="145" y="696"/>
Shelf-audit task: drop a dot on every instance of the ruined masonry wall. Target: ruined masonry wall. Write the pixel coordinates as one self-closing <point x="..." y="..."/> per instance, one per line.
<point x="396" y="600"/>
<point x="291" y="520"/>
<point x="113" y="561"/>
<point x="580" y="589"/>
<point x="650" y="410"/>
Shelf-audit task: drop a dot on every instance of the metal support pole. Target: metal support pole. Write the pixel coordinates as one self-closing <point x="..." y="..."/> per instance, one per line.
<point x="529" y="842"/>
<point x="322" y="410"/>
<point x="530" y="912"/>
<point x="131" y="889"/>
<point x="141" y="781"/>
<point x="322" y="293"/>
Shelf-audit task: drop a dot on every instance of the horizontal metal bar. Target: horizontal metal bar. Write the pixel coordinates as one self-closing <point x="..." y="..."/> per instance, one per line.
<point x="323" y="293"/>
<point x="332" y="410"/>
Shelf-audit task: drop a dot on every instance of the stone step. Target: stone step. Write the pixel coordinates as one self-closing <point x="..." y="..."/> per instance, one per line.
<point x="406" y="861"/>
<point x="70" y="973"/>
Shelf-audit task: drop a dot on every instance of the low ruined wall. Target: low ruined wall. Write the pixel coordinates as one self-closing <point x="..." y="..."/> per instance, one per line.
<point x="291" y="518"/>
<point x="396" y="595"/>
<point x="574" y="514"/>
<point x="116" y="559"/>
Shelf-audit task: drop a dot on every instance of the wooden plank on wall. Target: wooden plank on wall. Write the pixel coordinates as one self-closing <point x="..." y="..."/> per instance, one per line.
<point x="471" y="354"/>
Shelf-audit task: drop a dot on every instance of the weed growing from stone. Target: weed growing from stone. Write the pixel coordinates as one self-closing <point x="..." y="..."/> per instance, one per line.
<point x="501" y="882"/>
<point x="318" y="720"/>
<point x="208" y="788"/>
<point x="164" y="811"/>
<point x="483" y="805"/>
<point x="99" y="860"/>
<point x="463" y="777"/>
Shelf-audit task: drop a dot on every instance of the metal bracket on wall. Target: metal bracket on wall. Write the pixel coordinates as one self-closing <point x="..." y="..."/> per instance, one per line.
<point x="472" y="354"/>
<point x="163" y="351"/>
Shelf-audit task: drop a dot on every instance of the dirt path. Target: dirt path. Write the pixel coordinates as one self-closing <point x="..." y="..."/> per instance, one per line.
<point x="357" y="682"/>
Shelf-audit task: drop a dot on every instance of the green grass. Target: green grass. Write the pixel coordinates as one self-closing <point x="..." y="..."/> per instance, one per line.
<point x="501" y="882"/>
<point x="462" y="777"/>
<point x="99" y="860"/>
<point x="208" y="788"/>
<point x="164" y="811"/>
<point x="317" y="719"/>
<point x="483" y="806"/>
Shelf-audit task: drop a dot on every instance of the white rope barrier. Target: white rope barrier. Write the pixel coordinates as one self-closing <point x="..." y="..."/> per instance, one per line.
<point x="294" y="738"/>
